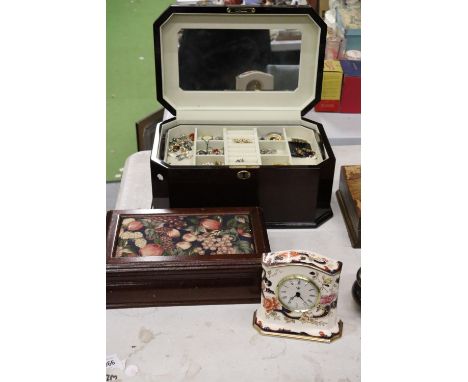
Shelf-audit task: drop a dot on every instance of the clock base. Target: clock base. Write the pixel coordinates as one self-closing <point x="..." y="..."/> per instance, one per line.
<point x="300" y="336"/>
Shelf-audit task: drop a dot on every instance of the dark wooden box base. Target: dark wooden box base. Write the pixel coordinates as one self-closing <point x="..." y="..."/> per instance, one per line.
<point x="224" y="290"/>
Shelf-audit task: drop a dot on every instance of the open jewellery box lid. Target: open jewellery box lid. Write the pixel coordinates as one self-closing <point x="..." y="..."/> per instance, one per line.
<point x="273" y="55"/>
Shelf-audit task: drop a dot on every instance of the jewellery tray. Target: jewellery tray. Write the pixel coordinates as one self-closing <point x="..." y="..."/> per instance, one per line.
<point x="292" y="191"/>
<point x="148" y="263"/>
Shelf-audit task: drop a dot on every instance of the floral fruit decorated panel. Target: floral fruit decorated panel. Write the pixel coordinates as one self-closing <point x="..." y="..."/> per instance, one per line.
<point x="184" y="235"/>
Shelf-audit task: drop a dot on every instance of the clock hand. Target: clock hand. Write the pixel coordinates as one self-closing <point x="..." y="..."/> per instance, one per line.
<point x="298" y="294"/>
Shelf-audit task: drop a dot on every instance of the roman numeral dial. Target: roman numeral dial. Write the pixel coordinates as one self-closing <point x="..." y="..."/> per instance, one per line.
<point x="297" y="293"/>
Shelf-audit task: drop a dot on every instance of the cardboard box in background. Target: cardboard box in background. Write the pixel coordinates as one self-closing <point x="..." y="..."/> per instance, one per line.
<point x="351" y="92"/>
<point x="331" y="87"/>
<point x="348" y="20"/>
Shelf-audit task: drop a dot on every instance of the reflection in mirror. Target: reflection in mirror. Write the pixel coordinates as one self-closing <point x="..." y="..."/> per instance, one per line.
<point x="239" y="59"/>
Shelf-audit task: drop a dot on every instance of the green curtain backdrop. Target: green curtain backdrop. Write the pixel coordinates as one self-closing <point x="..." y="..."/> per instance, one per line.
<point x="131" y="89"/>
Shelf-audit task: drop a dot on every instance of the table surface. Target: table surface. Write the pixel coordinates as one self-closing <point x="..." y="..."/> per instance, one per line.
<point x="218" y="342"/>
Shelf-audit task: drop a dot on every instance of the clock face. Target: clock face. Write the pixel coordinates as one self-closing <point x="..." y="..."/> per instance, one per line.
<point x="297" y="293"/>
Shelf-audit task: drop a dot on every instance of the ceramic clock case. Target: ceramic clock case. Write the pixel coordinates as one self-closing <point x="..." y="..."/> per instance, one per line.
<point x="295" y="196"/>
<point x="183" y="280"/>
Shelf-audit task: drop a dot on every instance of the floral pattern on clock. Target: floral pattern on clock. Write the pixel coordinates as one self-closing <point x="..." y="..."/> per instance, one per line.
<point x="185" y="235"/>
<point x="303" y="257"/>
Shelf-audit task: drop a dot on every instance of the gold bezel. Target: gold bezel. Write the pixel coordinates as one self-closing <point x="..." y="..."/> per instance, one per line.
<point x="291" y="277"/>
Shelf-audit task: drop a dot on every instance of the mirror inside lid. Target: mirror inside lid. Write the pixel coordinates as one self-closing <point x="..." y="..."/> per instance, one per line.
<point x="223" y="58"/>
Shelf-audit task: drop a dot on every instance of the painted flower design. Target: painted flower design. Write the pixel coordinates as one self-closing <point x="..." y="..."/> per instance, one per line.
<point x="173" y="233"/>
<point x="183" y="245"/>
<point x="151" y="250"/>
<point x="328" y="265"/>
<point x="131" y="235"/>
<point x="176" y="235"/>
<point x="210" y="224"/>
<point x="324" y="300"/>
<point x="189" y="237"/>
<point x="318" y="259"/>
<point x="123" y="252"/>
<point x="271" y="304"/>
<point x="125" y="235"/>
<point x="140" y="243"/>
<point x="243" y="233"/>
<point x="327" y="280"/>
<point x="286" y="255"/>
<point x="127" y="221"/>
<point x="135" y="226"/>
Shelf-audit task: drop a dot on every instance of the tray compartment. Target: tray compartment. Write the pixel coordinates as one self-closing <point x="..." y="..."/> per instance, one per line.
<point x="176" y="133"/>
<point x="275" y="160"/>
<point x="237" y="153"/>
<point x="201" y="145"/>
<point x="279" y="146"/>
<point x="206" y="160"/>
<point x="263" y="131"/>
<point x="212" y="131"/>
<point x="307" y="135"/>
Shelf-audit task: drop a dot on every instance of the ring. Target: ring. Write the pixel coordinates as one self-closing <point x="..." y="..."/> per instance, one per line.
<point x="300" y="148"/>
<point x="273" y="137"/>
<point x="183" y="156"/>
<point x="242" y="140"/>
<point x="181" y="147"/>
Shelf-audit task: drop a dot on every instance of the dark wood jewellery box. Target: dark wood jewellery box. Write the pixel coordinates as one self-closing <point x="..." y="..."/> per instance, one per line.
<point x="239" y="81"/>
<point x="184" y="256"/>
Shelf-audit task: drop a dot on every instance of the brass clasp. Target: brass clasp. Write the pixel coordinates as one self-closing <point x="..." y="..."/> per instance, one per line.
<point x="243" y="174"/>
